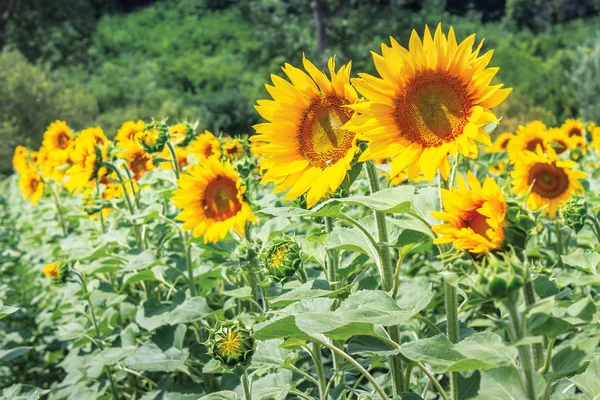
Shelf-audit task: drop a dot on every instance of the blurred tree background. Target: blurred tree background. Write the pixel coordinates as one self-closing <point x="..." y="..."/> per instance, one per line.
<point x="102" y="62"/>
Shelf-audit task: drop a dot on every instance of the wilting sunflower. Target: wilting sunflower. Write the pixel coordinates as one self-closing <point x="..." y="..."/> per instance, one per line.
<point x="130" y="130"/>
<point x="58" y="140"/>
<point x="137" y="160"/>
<point x="234" y="149"/>
<point x="211" y="196"/>
<point x="305" y="147"/>
<point x="85" y="161"/>
<point x="552" y="181"/>
<point x="430" y="101"/>
<point x="574" y="127"/>
<point x="529" y="137"/>
<point x="475" y="216"/>
<point x="31" y="184"/>
<point x="500" y="144"/>
<point x="20" y="159"/>
<point x="206" y="145"/>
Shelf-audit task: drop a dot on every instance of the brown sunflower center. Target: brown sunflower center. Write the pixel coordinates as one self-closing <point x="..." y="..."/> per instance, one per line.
<point x="33" y="184"/>
<point x="433" y="109"/>
<point x="221" y="199"/>
<point x="548" y="180"/>
<point x="62" y="140"/>
<point x="504" y="143"/>
<point x="138" y="164"/>
<point x="322" y="141"/>
<point x="207" y="150"/>
<point x="477" y="222"/>
<point x="574" y="132"/>
<point x="534" y="143"/>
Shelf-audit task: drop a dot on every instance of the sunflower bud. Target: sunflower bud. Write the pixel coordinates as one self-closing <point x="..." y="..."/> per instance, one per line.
<point x="575" y="213"/>
<point x="520" y="223"/>
<point x="231" y="343"/>
<point x="58" y="271"/>
<point x="154" y="137"/>
<point x="282" y="259"/>
<point x="503" y="278"/>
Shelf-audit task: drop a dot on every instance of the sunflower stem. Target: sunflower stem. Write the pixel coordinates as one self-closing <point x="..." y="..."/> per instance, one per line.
<point x="559" y="242"/>
<point x="61" y="219"/>
<point x="246" y="386"/>
<point x="387" y="276"/>
<point x="525" y="355"/>
<point x="451" y="301"/>
<point x="188" y="262"/>
<point x="529" y="294"/>
<point x="136" y="228"/>
<point x="99" y="196"/>
<point x="318" y="360"/>
<point x="174" y="155"/>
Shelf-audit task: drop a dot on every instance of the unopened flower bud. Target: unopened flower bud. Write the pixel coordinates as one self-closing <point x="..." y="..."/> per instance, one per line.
<point x="231" y="343"/>
<point x="282" y="260"/>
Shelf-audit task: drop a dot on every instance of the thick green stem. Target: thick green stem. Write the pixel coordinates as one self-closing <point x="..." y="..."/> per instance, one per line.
<point x="529" y="294"/>
<point x="318" y="360"/>
<point x="187" y="240"/>
<point x="548" y="360"/>
<point x="61" y="219"/>
<point x="332" y="257"/>
<point x="559" y="243"/>
<point x="387" y="276"/>
<point x="99" y="196"/>
<point x="525" y="355"/>
<point x="174" y="155"/>
<point x="451" y="301"/>
<point x="246" y="386"/>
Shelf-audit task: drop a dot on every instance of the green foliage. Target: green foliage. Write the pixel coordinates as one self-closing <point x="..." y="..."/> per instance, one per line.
<point x="585" y="78"/>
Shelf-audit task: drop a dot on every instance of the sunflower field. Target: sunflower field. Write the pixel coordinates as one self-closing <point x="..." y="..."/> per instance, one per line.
<point x="378" y="236"/>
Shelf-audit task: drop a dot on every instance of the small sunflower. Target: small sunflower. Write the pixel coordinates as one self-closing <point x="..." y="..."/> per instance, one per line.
<point x="305" y="147"/>
<point x="211" y="196"/>
<point x="529" y="137"/>
<point x="234" y="149"/>
<point x="58" y="140"/>
<point x="558" y="139"/>
<point x="51" y="270"/>
<point x="431" y="100"/>
<point x="20" y="159"/>
<point x="552" y="181"/>
<point x="137" y="160"/>
<point x="574" y="127"/>
<point x="206" y="145"/>
<point x="84" y="157"/>
<point x="500" y="144"/>
<point x="130" y="130"/>
<point x="595" y="133"/>
<point x="31" y="185"/>
<point x="181" y="153"/>
<point x="498" y="169"/>
<point x="475" y="216"/>
<point x="57" y="271"/>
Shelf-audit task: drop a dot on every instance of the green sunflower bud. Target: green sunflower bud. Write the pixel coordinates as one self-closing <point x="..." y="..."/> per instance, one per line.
<point x="520" y="223"/>
<point x="154" y="137"/>
<point x="231" y="343"/>
<point x="502" y="279"/>
<point x="282" y="260"/>
<point x="575" y="213"/>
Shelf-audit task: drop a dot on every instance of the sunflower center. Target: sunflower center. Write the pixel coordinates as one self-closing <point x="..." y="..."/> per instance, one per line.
<point x="207" y="150"/>
<point x="278" y="257"/>
<point x="433" y="109"/>
<point x="230" y="344"/>
<point x="221" y="199"/>
<point x="321" y="139"/>
<point x="575" y="132"/>
<point x="138" y="164"/>
<point x="478" y="223"/>
<point x="62" y="139"/>
<point x="534" y="143"/>
<point x="504" y="143"/>
<point x="548" y="180"/>
<point x="33" y="185"/>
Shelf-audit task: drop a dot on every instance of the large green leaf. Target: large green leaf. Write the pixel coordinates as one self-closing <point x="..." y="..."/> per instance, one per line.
<point x="22" y="392"/>
<point x="6" y="310"/>
<point x="164" y="352"/>
<point x="7" y="355"/>
<point x="309" y="290"/>
<point x="152" y="314"/>
<point x="589" y="381"/>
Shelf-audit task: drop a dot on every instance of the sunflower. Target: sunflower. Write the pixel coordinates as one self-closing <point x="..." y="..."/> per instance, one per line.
<point x="31" y="184"/>
<point x="181" y="153"/>
<point x="574" y="127"/>
<point x="206" y="145"/>
<point x="552" y="181"/>
<point x="529" y="137"/>
<point x="500" y="144"/>
<point x="58" y="140"/>
<point x="558" y="139"/>
<point x="595" y="133"/>
<point x="475" y="215"/>
<point x="305" y="147"/>
<point x="20" y="159"/>
<point x="211" y="196"/>
<point x="85" y="159"/>
<point x="137" y="160"/>
<point x="430" y="101"/>
<point x="130" y="130"/>
<point x="498" y="169"/>
<point x="234" y="149"/>
<point x="51" y="270"/>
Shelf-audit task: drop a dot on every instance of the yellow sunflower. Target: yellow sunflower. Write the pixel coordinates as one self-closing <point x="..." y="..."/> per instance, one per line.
<point x="500" y="144"/>
<point x="595" y="132"/>
<point x="206" y="145"/>
<point x="233" y="149"/>
<point x="211" y="196"/>
<point x="574" y="127"/>
<point x="178" y="132"/>
<point x="130" y="130"/>
<point x="137" y="160"/>
<point x="31" y="185"/>
<point x="558" y="139"/>
<point x="51" y="270"/>
<point x="474" y="215"/>
<point x="305" y="147"/>
<point x="429" y="101"/>
<point x="498" y="169"/>
<point x="58" y="140"/>
<point x="552" y="181"/>
<point x="84" y="159"/>
<point x="20" y="159"/>
<point x="529" y="137"/>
